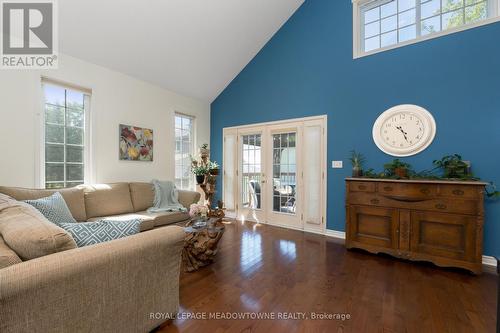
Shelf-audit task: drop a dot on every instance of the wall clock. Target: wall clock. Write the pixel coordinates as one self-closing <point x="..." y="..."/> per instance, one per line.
<point x="404" y="130"/>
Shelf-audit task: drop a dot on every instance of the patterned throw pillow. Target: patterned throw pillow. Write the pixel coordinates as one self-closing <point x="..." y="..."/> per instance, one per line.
<point x="54" y="208"/>
<point x="89" y="233"/>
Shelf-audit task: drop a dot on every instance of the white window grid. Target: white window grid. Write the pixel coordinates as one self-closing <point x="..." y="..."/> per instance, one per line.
<point x="417" y="21"/>
<point x="183" y="176"/>
<point x="65" y="181"/>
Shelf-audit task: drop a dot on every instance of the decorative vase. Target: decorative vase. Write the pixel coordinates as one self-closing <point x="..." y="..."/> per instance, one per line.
<point x="357" y="172"/>
<point x="204" y="153"/>
<point x="401" y="172"/>
<point x="200" y="179"/>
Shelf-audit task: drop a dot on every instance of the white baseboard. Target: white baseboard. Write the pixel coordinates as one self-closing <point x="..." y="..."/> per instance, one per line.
<point x="487" y="260"/>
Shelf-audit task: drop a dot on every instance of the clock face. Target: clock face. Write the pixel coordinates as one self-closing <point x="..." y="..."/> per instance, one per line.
<point x="404" y="130"/>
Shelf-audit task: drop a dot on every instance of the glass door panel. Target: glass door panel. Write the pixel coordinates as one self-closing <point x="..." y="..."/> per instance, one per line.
<point x="284" y="173"/>
<point x="251" y="171"/>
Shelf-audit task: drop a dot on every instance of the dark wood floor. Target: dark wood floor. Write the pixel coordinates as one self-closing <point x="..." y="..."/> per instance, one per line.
<point x="272" y="270"/>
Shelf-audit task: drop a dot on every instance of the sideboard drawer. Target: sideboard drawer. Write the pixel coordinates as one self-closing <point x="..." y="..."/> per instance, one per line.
<point x="362" y="187"/>
<point x="459" y="191"/>
<point x="407" y="190"/>
<point x="444" y="205"/>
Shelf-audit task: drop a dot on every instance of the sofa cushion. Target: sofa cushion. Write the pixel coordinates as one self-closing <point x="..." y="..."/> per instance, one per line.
<point x="166" y="218"/>
<point x="142" y="195"/>
<point x="149" y="220"/>
<point x="90" y="233"/>
<point x="54" y="208"/>
<point x="186" y="198"/>
<point x="107" y="199"/>
<point x="72" y="196"/>
<point x="28" y="233"/>
<point x="7" y="256"/>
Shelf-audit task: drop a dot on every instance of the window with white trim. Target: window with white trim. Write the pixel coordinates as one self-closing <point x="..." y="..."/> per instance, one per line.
<point x="65" y="127"/>
<point x="385" y="24"/>
<point x="184" y="150"/>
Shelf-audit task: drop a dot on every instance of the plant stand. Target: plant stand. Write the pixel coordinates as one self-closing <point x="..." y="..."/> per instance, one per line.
<point x="209" y="188"/>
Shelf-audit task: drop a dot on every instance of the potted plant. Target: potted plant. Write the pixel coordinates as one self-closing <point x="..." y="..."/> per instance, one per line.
<point x="213" y="168"/>
<point x="204" y="151"/>
<point x="453" y="167"/>
<point x="357" y="161"/>
<point x="397" y="169"/>
<point x="200" y="172"/>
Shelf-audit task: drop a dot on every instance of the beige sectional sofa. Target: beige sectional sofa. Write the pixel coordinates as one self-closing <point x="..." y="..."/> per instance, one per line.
<point x="108" y="287"/>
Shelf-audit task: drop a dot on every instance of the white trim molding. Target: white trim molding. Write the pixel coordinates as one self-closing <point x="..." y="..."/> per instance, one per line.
<point x="358" y="26"/>
<point x="488" y="261"/>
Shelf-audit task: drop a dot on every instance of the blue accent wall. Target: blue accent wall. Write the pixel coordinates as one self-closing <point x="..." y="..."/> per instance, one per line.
<point x="307" y="69"/>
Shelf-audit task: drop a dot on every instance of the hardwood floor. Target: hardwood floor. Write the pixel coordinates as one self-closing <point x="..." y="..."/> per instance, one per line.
<point x="264" y="269"/>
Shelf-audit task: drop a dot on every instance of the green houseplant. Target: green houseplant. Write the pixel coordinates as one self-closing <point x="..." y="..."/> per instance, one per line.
<point x="200" y="171"/>
<point x="213" y="168"/>
<point x="357" y="161"/>
<point x="453" y="167"/>
<point x="397" y="169"/>
<point x="204" y="151"/>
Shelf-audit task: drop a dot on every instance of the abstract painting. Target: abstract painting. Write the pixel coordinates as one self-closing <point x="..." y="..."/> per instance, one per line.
<point x="136" y="143"/>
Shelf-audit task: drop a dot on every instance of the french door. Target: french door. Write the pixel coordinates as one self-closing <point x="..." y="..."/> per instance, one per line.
<point x="275" y="173"/>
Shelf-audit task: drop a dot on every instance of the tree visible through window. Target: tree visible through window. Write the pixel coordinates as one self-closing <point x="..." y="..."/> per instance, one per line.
<point x="385" y="23"/>
<point x="184" y="149"/>
<point x="64" y="136"/>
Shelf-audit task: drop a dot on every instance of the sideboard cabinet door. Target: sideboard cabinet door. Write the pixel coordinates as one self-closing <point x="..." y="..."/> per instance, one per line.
<point x="443" y="235"/>
<point x="374" y="226"/>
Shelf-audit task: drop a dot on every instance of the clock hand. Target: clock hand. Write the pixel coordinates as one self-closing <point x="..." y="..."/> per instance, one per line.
<point x="403" y="132"/>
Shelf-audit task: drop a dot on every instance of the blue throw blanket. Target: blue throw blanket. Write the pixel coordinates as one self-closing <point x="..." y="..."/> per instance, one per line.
<point x="166" y="198"/>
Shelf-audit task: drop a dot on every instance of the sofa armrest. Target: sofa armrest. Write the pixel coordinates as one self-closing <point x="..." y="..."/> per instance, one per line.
<point x="107" y="287"/>
<point x="187" y="198"/>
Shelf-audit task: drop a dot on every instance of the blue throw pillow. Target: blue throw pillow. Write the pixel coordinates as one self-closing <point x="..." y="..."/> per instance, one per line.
<point x="89" y="233"/>
<point x="54" y="208"/>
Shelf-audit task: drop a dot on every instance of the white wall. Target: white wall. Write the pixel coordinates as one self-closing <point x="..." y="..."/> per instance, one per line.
<point x="116" y="99"/>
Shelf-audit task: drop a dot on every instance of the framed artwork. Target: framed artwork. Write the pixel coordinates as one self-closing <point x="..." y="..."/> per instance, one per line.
<point x="136" y="143"/>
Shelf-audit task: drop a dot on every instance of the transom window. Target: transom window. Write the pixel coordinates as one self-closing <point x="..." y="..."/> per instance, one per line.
<point x="383" y="24"/>
<point x="184" y="150"/>
<point x="65" y="124"/>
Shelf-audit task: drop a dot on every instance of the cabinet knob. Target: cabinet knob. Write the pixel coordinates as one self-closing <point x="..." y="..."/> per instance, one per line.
<point x="424" y="190"/>
<point x="375" y="201"/>
<point x="458" y="192"/>
<point x="388" y="189"/>
<point x="441" y="206"/>
<point x="362" y="187"/>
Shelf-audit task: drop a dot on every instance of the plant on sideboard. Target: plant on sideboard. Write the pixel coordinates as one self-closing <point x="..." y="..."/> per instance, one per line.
<point x="397" y="168"/>
<point x="357" y="161"/>
<point x="453" y="167"/>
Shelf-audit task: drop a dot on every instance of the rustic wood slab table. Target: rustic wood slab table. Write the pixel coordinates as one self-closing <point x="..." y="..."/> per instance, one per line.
<point x="200" y="245"/>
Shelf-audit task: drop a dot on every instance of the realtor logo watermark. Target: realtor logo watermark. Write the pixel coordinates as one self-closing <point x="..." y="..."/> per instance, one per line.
<point x="29" y="34"/>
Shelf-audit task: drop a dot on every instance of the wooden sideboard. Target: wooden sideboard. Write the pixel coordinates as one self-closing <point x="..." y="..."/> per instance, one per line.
<point x="436" y="221"/>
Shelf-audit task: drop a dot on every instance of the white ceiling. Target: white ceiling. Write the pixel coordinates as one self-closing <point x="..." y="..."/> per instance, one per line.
<point x="192" y="47"/>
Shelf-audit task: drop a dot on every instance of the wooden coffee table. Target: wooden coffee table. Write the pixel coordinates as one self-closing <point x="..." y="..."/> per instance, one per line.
<point x="200" y="245"/>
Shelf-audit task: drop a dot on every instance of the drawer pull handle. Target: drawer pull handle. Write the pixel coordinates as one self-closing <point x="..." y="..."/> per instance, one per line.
<point x="424" y="190"/>
<point x="441" y="206"/>
<point x="362" y="187"/>
<point x="458" y="192"/>
<point x="388" y="189"/>
<point x="375" y="201"/>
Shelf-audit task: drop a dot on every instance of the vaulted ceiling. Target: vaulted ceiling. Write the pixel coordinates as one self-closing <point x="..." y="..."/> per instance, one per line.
<point x="192" y="47"/>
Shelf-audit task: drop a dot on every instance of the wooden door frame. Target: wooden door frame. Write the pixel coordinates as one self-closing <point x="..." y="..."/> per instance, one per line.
<point x="324" y="154"/>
